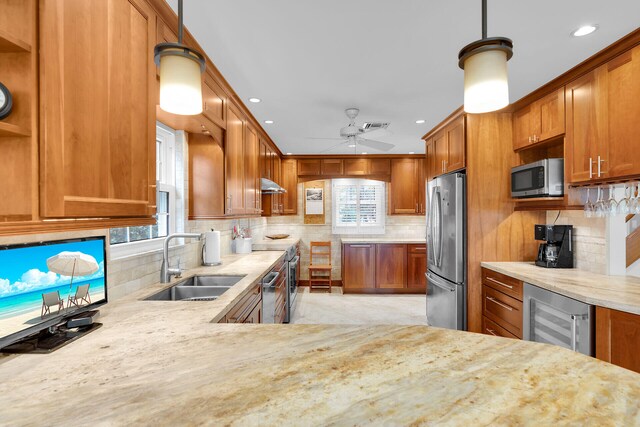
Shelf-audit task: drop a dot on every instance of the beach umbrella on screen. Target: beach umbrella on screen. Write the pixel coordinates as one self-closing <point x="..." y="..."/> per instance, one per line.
<point x="72" y="264"/>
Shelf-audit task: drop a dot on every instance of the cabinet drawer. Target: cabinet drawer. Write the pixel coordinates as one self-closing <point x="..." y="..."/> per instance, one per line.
<point x="500" y="282"/>
<point x="417" y="249"/>
<point x="490" y="327"/>
<point x="243" y="308"/>
<point x="503" y="310"/>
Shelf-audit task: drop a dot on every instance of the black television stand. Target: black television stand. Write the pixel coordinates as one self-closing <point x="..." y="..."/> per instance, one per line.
<point x="53" y="338"/>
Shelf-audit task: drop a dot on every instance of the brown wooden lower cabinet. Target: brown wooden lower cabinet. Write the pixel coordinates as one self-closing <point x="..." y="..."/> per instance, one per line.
<point x="501" y="305"/>
<point x="383" y="268"/>
<point x="490" y="327"/>
<point x="245" y="310"/>
<point x="618" y="338"/>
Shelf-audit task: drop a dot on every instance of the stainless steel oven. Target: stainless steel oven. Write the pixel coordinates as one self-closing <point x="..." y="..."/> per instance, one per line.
<point x="540" y="179"/>
<point x="293" y="261"/>
<point x="556" y="319"/>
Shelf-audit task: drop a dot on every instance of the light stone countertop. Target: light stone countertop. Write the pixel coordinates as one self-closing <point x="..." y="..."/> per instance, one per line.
<point x="616" y="292"/>
<point x="165" y="363"/>
<point x="275" y="245"/>
<point x="407" y="240"/>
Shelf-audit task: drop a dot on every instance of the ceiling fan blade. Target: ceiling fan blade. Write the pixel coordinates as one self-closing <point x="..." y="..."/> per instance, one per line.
<point x="378" y="145"/>
<point x="326" y="139"/>
<point x="333" y="147"/>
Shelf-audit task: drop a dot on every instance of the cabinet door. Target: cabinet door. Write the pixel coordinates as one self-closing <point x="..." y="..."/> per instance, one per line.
<point x="359" y="266"/>
<point x="618" y="338"/>
<point x="290" y="183"/>
<point x="456" y="151"/>
<point x="440" y="148"/>
<point x="379" y="166"/>
<point x="213" y="101"/>
<point x="234" y="156"/>
<point x="586" y="123"/>
<point x="251" y="179"/>
<point x="356" y="166"/>
<point x="523" y="127"/>
<point x="623" y="80"/>
<point x="331" y="167"/>
<point x="309" y="167"/>
<point x="265" y="161"/>
<point x="403" y="189"/>
<point x="417" y="267"/>
<point x="391" y="266"/>
<point x="422" y="185"/>
<point x="431" y="161"/>
<point x="206" y="177"/>
<point x="276" y="199"/>
<point x="97" y="86"/>
<point x="550" y="116"/>
<point x="255" y="316"/>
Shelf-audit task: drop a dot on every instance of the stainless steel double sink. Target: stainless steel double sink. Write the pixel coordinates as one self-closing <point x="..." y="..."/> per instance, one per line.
<point x="196" y="288"/>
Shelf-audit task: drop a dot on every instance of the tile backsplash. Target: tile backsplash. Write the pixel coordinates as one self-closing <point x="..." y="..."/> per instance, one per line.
<point x="589" y="239"/>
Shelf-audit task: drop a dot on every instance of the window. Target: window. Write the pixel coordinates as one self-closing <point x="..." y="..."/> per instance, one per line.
<point x="130" y="240"/>
<point x="358" y="206"/>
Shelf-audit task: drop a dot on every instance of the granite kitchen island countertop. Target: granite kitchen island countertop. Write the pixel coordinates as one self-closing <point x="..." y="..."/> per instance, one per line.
<point x="615" y="292"/>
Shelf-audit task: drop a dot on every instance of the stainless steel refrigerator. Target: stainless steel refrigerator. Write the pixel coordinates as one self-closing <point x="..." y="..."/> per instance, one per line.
<point x="446" y="252"/>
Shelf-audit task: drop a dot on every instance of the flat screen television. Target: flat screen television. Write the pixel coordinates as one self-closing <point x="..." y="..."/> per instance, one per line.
<point x="44" y="283"/>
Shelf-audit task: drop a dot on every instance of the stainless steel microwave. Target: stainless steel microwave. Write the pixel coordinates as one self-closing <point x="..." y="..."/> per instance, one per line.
<point x="540" y="179"/>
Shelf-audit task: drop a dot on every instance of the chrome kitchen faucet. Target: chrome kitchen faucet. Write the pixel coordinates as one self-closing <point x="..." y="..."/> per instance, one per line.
<point x="166" y="271"/>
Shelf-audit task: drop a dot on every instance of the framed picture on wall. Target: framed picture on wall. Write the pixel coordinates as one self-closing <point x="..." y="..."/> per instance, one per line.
<point x="314" y="198"/>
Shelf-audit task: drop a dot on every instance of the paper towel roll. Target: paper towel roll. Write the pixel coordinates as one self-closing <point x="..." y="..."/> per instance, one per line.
<point x="211" y="248"/>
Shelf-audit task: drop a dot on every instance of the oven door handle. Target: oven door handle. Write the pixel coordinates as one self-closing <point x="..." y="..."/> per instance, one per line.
<point x="295" y="260"/>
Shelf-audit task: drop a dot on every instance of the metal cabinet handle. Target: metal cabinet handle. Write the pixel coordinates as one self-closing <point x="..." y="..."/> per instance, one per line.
<point x="491" y="331"/>
<point x="590" y="168"/>
<point x="497" y="282"/>
<point x="360" y="246"/>
<point x="600" y="166"/>
<point x="500" y="303"/>
<point x="529" y="139"/>
<point x="417" y="210"/>
<point x="574" y="332"/>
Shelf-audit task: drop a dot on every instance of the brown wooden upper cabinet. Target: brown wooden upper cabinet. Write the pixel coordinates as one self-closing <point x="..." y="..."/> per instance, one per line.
<point x="206" y="176"/>
<point x="405" y="187"/>
<point x="430" y="161"/>
<point x="98" y="110"/>
<point x="587" y="151"/>
<point x="252" y="171"/>
<point x="539" y="121"/>
<point x="235" y="162"/>
<point x="290" y="183"/>
<point x="449" y="148"/>
<point x="331" y="167"/>
<point x="309" y="167"/>
<point x="277" y="199"/>
<point x="214" y="101"/>
<point x="355" y="167"/>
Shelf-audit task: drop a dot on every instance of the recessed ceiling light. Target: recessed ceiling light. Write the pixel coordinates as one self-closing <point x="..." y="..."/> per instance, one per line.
<point x="269" y="122"/>
<point x="352" y="145"/>
<point x="419" y="122"/>
<point x="412" y="152"/>
<point x="584" y="30"/>
<point x="255" y="100"/>
<point x="364" y="152"/>
<point x="288" y="154"/>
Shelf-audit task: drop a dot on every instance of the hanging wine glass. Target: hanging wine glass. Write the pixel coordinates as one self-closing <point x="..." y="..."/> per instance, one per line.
<point x="623" y="205"/>
<point x="634" y="205"/>
<point x="612" y="205"/>
<point x="588" y="206"/>
<point x="599" y="209"/>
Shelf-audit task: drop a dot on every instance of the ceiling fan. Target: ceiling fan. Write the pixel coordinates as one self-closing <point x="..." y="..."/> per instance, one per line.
<point x="352" y="135"/>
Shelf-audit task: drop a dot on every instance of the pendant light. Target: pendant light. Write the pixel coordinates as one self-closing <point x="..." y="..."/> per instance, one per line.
<point x="486" y="86"/>
<point x="181" y="69"/>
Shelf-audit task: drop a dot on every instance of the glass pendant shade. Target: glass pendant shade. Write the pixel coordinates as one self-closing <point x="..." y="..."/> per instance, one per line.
<point x="180" y="85"/>
<point x="486" y="86"/>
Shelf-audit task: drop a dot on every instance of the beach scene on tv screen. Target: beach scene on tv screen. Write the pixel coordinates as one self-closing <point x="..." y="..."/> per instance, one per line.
<point x="38" y="283"/>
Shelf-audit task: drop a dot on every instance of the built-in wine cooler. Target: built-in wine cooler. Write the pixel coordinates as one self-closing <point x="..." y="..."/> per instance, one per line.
<point x="556" y="319"/>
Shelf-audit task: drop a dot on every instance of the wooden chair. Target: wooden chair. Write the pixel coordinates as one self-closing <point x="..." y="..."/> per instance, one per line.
<point x="51" y="299"/>
<point x="82" y="295"/>
<point x="320" y="262"/>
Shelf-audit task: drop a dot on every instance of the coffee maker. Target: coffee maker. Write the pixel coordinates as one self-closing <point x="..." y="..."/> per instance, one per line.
<point x="557" y="251"/>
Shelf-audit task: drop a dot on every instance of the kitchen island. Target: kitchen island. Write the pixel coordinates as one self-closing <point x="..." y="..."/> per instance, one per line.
<point x="166" y="363"/>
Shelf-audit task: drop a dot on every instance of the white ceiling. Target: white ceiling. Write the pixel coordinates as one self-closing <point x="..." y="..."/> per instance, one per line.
<point x="308" y="60"/>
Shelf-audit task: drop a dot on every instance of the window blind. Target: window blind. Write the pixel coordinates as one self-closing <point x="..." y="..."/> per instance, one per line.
<point x="358" y="206"/>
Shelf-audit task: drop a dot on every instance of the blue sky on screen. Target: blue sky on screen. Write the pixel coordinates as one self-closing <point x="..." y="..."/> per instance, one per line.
<point x="25" y="269"/>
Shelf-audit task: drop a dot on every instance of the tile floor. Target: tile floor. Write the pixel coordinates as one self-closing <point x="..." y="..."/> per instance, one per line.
<point x="335" y="308"/>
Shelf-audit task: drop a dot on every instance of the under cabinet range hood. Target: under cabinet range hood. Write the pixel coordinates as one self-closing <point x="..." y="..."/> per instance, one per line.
<point x="269" y="187"/>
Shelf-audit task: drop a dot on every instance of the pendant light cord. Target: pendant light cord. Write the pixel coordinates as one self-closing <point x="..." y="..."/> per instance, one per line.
<point x="180" y="20"/>
<point x="484" y="18"/>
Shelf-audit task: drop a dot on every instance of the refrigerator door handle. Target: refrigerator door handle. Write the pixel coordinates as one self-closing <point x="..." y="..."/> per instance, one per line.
<point x="440" y="284"/>
<point x="430" y="239"/>
<point x="440" y="227"/>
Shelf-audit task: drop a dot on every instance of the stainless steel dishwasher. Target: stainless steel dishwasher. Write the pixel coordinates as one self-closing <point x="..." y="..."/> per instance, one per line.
<point x="269" y="297"/>
<point x="556" y="319"/>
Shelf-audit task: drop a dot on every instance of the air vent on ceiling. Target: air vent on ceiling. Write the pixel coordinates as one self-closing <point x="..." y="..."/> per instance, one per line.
<point x="368" y="127"/>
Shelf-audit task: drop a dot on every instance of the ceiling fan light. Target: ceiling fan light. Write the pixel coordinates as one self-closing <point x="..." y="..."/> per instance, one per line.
<point x="180" y="84"/>
<point x="486" y="86"/>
